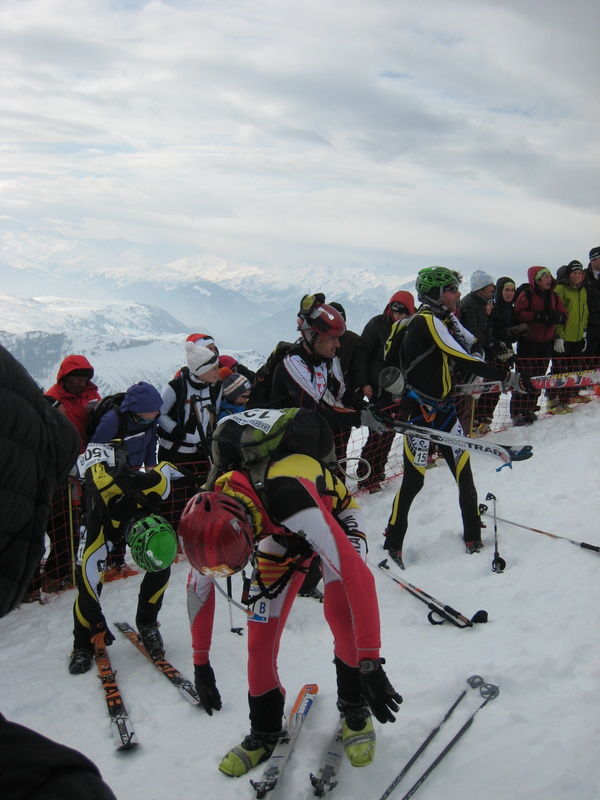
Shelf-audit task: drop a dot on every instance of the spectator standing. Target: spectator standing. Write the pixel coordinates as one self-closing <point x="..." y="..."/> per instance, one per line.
<point x="75" y="396"/>
<point x="505" y="330"/>
<point x="542" y="309"/>
<point x="188" y="416"/>
<point x="235" y="366"/>
<point x="569" y="338"/>
<point x="591" y="281"/>
<point x="236" y="391"/>
<point x="369" y="363"/>
<point x="476" y="316"/>
<point x="75" y="391"/>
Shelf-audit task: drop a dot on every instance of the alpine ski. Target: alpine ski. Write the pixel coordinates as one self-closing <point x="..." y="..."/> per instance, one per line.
<point x="280" y="756"/>
<point x="506" y="453"/>
<point x="122" y="729"/>
<point x="565" y="380"/>
<point x="183" y="685"/>
<point x="326" y="778"/>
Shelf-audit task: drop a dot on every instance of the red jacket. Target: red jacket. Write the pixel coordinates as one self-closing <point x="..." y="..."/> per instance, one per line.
<point x="529" y="303"/>
<point x="75" y="404"/>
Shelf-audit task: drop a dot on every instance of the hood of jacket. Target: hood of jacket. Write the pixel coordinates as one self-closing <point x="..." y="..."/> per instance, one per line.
<point x="72" y="363"/>
<point x="142" y="398"/>
<point x="532" y="272"/>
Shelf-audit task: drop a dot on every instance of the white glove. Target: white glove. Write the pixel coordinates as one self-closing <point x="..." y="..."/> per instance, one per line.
<point x="583" y="349"/>
<point x="373" y="420"/>
<point x="559" y="345"/>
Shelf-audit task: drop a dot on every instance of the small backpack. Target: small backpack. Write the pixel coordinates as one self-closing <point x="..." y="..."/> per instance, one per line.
<point x="524" y="287"/>
<point x="260" y="393"/>
<point x="393" y="351"/>
<point x="108" y="403"/>
<point x="254" y="438"/>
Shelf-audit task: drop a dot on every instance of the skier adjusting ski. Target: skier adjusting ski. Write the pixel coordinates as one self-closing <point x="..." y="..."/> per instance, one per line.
<point x="301" y="510"/>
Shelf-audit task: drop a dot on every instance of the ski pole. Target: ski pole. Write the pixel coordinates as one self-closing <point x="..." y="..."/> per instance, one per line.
<point x="436" y="607"/>
<point x="488" y="691"/>
<point x="475" y="681"/>
<point x="483" y="510"/>
<point x="498" y="564"/>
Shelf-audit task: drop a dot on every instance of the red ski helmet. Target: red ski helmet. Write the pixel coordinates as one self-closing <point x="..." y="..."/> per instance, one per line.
<point x="216" y="534"/>
<point x="316" y="318"/>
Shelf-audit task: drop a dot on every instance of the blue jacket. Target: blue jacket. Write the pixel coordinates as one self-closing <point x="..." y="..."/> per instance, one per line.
<point x="140" y="441"/>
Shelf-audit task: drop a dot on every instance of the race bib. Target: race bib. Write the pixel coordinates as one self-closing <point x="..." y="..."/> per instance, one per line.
<point x="95" y="454"/>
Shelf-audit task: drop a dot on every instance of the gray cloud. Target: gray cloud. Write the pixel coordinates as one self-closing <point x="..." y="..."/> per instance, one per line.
<point x="286" y="132"/>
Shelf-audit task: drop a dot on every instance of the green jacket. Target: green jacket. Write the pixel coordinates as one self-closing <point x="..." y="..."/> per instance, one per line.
<point x="575" y="301"/>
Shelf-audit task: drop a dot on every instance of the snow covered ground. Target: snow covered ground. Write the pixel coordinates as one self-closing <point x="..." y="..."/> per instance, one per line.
<point x="538" y="739"/>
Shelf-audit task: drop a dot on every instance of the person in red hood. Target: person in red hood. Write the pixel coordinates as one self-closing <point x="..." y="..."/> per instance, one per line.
<point x="76" y="393"/>
<point x="369" y="362"/>
<point x="542" y="309"/>
<point x="75" y="396"/>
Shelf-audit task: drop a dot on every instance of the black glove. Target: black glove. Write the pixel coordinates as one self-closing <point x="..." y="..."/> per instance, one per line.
<point x="375" y="420"/>
<point x="101" y="629"/>
<point x="517" y="330"/>
<point x="377" y="690"/>
<point x="502" y="352"/>
<point x="204" y="681"/>
<point x="556" y="318"/>
<point x="177" y="435"/>
<point x="541" y="316"/>
<point x="520" y="383"/>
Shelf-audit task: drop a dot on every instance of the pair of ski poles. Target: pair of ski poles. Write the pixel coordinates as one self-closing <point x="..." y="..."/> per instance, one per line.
<point x="488" y="692"/>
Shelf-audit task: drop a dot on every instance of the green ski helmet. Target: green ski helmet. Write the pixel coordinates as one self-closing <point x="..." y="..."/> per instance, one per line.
<point x="432" y="281"/>
<point x="152" y="542"/>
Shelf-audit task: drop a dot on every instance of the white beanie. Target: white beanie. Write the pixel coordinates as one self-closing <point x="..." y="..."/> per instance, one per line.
<point x="199" y="358"/>
<point x="481" y="279"/>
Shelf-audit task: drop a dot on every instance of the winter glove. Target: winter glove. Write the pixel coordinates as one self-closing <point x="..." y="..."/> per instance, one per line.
<point x="583" y="349"/>
<point x="556" y="318"/>
<point x="177" y="434"/>
<point x="559" y="345"/>
<point x="541" y="316"/>
<point x="377" y="690"/>
<point x="103" y="636"/>
<point x="502" y="352"/>
<point x="519" y="383"/>
<point x="372" y="417"/>
<point x="517" y="330"/>
<point x="204" y="681"/>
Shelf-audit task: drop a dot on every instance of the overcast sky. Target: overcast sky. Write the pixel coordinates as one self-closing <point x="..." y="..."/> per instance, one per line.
<point x="376" y="132"/>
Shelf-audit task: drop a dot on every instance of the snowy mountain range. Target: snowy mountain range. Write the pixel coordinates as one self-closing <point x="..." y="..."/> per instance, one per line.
<point x="128" y="309"/>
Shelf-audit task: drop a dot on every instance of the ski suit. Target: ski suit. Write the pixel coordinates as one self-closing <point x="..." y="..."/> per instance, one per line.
<point x="303" y="510"/>
<point x="443" y="345"/>
<point x="112" y="500"/>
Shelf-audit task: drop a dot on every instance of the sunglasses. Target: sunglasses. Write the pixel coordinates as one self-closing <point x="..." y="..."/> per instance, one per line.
<point x="454" y="289"/>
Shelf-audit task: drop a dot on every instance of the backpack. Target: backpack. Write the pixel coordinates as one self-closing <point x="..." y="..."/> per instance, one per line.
<point x="392" y="352"/>
<point x="260" y="393"/>
<point x="108" y="403"/>
<point x="524" y="287"/>
<point x="252" y="439"/>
